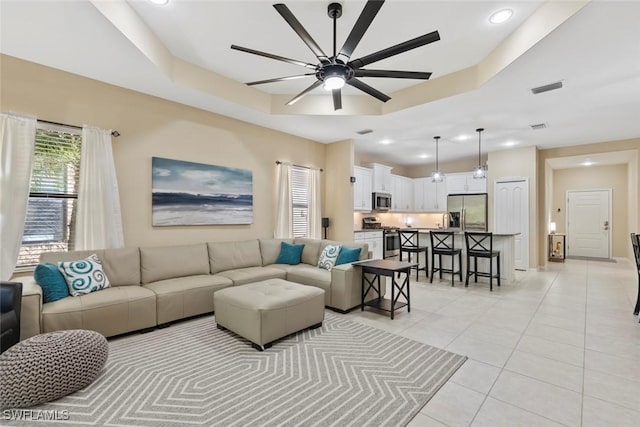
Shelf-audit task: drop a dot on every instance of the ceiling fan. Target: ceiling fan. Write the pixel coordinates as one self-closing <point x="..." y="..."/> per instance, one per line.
<point x="333" y="72"/>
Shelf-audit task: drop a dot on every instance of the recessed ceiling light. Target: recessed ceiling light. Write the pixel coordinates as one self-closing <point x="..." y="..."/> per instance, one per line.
<point x="501" y="16"/>
<point x="510" y="143"/>
<point x="159" y="2"/>
<point x="462" y="137"/>
<point x="386" y="142"/>
<point x="424" y="156"/>
<point x="587" y="162"/>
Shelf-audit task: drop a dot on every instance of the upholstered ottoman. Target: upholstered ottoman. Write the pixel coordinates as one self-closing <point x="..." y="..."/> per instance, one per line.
<point x="47" y="367"/>
<point x="263" y="312"/>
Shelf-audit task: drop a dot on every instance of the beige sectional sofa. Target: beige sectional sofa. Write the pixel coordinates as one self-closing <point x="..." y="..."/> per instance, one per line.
<point x="152" y="286"/>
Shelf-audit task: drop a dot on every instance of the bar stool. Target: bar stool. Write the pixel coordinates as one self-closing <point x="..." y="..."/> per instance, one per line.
<point x="480" y="245"/>
<point x="410" y="243"/>
<point x="635" y="242"/>
<point x="442" y="243"/>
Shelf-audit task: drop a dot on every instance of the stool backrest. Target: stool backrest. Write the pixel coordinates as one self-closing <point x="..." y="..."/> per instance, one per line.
<point x="442" y="240"/>
<point x="635" y="242"/>
<point x="409" y="239"/>
<point x="478" y="241"/>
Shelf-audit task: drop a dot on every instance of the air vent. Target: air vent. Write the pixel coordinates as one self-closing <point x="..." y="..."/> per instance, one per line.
<point x="546" y="88"/>
<point x="538" y="126"/>
<point x="364" y="131"/>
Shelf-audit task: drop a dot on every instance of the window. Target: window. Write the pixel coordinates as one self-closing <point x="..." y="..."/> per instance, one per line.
<point x="53" y="193"/>
<point x="300" y="201"/>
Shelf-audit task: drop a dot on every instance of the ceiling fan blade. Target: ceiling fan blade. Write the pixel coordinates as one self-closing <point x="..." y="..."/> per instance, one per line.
<point x="362" y="24"/>
<point x="395" y="50"/>
<point x="337" y="99"/>
<point x="272" y="56"/>
<point x="368" y="90"/>
<point x="304" y="92"/>
<point x="284" y="11"/>
<point x="280" y="79"/>
<point x="393" y="74"/>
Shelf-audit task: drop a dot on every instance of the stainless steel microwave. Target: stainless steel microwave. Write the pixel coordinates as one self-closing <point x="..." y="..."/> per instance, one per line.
<point x="381" y="201"/>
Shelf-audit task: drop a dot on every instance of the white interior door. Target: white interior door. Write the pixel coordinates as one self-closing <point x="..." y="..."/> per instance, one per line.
<point x="588" y="223"/>
<point x="511" y="215"/>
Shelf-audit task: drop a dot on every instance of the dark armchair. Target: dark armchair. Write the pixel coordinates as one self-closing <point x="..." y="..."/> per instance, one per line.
<point x="10" y="304"/>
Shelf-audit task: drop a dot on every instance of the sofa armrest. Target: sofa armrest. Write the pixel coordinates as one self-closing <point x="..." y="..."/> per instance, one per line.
<point x="31" y="316"/>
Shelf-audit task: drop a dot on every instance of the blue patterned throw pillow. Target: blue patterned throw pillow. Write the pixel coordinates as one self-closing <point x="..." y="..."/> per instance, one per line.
<point x="329" y="256"/>
<point x="84" y="276"/>
<point x="290" y="253"/>
<point x="347" y="255"/>
<point x="53" y="285"/>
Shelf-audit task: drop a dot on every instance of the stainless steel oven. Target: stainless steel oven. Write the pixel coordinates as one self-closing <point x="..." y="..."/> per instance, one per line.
<point x="391" y="242"/>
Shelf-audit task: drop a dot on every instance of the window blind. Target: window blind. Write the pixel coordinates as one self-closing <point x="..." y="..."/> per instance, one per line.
<point x="53" y="193"/>
<point x="300" y="201"/>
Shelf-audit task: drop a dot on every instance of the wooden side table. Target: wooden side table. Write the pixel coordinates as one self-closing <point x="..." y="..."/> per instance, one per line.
<point x="385" y="268"/>
<point x="557" y="247"/>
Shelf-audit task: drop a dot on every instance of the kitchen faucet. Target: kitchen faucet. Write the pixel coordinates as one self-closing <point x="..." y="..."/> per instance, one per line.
<point x="445" y="220"/>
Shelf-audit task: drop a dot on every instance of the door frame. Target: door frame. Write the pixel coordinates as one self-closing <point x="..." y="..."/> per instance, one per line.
<point x="506" y="180"/>
<point x="610" y="208"/>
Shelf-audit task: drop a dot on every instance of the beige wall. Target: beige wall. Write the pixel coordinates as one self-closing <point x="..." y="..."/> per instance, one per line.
<point x="150" y="127"/>
<point x="518" y="162"/>
<point x="339" y="190"/>
<point x="596" y="178"/>
<point x="631" y="147"/>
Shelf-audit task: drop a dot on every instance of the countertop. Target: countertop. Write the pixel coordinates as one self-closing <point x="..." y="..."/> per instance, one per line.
<point x="368" y="230"/>
<point x="455" y="231"/>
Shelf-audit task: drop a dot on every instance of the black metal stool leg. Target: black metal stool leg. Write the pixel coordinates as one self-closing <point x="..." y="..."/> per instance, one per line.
<point x="460" y="265"/>
<point x="433" y="268"/>
<point x="466" y="282"/>
<point x="498" y="269"/>
<point x="491" y="274"/>
<point x="453" y="269"/>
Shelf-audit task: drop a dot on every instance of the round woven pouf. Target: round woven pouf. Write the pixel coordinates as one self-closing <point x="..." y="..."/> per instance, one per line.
<point x="49" y="366"/>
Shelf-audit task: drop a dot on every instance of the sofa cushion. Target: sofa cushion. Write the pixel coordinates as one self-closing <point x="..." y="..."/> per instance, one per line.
<point x="168" y="262"/>
<point x="312" y="276"/>
<point x="290" y="253"/>
<point x="364" y="247"/>
<point x="186" y="296"/>
<point x="270" y="249"/>
<point x="122" y="266"/>
<point x="329" y="256"/>
<point x="348" y="255"/>
<point x="84" y="276"/>
<point x="50" y="279"/>
<point x="242" y="276"/>
<point x="111" y="311"/>
<point x="311" y="251"/>
<point x="225" y="256"/>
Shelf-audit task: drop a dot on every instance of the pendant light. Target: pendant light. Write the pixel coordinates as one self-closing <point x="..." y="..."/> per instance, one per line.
<point x="436" y="175"/>
<point x="480" y="172"/>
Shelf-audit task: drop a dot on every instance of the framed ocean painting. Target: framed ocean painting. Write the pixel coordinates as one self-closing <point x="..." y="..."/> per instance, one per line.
<point x="187" y="193"/>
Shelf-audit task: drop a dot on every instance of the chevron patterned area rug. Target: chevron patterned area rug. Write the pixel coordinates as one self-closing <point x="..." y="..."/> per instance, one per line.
<point x="192" y="374"/>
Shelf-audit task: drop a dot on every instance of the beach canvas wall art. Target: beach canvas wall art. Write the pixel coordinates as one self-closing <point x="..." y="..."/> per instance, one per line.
<point x="187" y="193"/>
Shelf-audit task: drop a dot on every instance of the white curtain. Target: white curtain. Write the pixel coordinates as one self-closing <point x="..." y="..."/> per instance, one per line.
<point x="284" y="225"/>
<point x="98" y="219"/>
<point x="315" y="219"/>
<point x="17" y="140"/>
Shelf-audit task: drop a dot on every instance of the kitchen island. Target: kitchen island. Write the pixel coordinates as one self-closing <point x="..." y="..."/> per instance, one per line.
<point x="503" y="242"/>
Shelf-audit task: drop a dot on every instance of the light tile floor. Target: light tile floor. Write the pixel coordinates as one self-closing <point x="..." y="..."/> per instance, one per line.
<point x="556" y="347"/>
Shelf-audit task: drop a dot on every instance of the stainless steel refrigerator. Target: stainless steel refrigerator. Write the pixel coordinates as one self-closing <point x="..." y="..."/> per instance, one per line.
<point x="467" y="211"/>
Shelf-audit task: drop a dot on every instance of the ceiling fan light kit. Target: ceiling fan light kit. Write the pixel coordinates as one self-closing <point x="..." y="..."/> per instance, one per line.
<point x="480" y="172"/>
<point x="333" y="72"/>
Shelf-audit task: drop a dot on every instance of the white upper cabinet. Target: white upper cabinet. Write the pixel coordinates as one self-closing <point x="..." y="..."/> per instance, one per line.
<point x="435" y="195"/>
<point x="402" y="194"/>
<point x="419" y="192"/>
<point x="362" y="189"/>
<point x="381" y="178"/>
<point x="458" y="183"/>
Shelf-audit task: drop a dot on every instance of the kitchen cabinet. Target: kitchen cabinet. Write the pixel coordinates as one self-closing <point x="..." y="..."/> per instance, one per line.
<point x="462" y="183"/>
<point x="362" y="189"/>
<point x="401" y="194"/>
<point x="429" y="196"/>
<point x="381" y="178"/>
<point x="373" y="239"/>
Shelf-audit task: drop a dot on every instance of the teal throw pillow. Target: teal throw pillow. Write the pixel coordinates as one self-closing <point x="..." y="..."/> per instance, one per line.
<point x="84" y="276"/>
<point x="329" y="256"/>
<point x="347" y="255"/>
<point x="53" y="285"/>
<point x="290" y="253"/>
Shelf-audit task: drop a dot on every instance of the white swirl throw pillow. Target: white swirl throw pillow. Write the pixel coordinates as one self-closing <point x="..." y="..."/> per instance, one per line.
<point x="84" y="276"/>
<point x="329" y="256"/>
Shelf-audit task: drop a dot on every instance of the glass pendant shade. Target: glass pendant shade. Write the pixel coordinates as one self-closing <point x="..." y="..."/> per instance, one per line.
<point x="480" y="172"/>
<point x="436" y="175"/>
